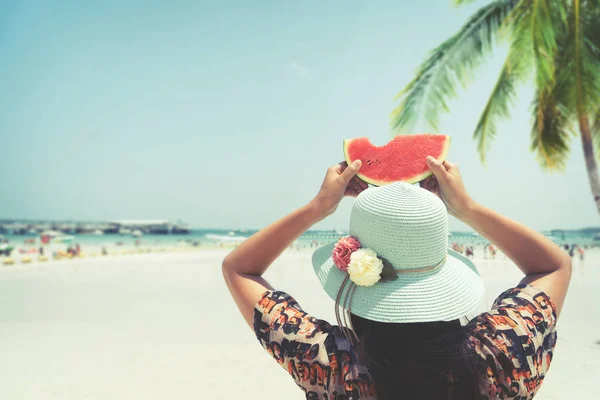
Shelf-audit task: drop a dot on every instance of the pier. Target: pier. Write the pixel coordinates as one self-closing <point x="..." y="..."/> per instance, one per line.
<point x="37" y="227"/>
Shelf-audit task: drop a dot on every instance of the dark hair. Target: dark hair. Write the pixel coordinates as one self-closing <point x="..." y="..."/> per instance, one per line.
<point x="424" y="361"/>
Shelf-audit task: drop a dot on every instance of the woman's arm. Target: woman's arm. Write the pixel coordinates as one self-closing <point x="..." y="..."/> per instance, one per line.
<point x="545" y="265"/>
<point x="244" y="266"/>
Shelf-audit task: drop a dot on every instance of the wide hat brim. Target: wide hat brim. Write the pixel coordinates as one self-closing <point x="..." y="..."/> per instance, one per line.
<point x="447" y="293"/>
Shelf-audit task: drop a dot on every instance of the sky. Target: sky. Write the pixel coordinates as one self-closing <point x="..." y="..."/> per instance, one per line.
<point x="227" y="114"/>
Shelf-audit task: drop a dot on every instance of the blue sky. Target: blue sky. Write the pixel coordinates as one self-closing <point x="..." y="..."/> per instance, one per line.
<point x="227" y="114"/>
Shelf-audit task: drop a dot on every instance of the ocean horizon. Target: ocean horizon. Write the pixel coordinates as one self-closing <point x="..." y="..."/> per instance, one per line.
<point x="201" y="237"/>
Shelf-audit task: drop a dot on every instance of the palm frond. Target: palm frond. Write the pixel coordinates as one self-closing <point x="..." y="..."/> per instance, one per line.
<point x="591" y="32"/>
<point x="451" y="63"/>
<point x="461" y="2"/>
<point x="516" y="69"/>
<point x="544" y="23"/>
<point x="574" y="94"/>
<point x="498" y="105"/>
<point x="540" y="21"/>
<point x="578" y="64"/>
<point x="551" y="132"/>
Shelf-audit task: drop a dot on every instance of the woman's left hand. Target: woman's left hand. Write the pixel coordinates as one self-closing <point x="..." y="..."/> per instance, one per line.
<point x="340" y="181"/>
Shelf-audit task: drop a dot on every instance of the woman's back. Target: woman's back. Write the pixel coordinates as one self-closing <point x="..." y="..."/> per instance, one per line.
<point x="398" y="293"/>
<point x="503" y="353"/>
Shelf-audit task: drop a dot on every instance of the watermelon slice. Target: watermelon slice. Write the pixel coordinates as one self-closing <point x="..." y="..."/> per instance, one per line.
<point x="402" y="159"/>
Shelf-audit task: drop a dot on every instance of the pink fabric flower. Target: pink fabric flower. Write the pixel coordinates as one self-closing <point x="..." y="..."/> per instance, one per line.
<point x="342" y="251"/>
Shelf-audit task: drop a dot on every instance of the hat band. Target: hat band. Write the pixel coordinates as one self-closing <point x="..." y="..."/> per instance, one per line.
<point x="423" y="269"/>
<point x="343" y="316"/>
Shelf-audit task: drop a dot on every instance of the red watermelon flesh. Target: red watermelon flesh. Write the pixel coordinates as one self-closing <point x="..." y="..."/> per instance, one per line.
<point x="402" y="159"/>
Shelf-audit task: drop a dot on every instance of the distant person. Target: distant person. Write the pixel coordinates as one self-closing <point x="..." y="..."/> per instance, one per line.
<point x="41" y="250"/>
<point x="493" y="251"/>
<point x="399" y="295"/>
<point x="470" y="251"/>
<point x="567" y="248"/>
<point x="581" y="253"/>
<point x="572" y="250"/>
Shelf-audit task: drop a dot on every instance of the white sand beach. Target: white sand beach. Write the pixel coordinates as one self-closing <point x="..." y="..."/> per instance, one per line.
<point x="163" y="326"/>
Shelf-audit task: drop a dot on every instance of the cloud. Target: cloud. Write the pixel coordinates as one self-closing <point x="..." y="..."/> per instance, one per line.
<point x="301" y="71"/>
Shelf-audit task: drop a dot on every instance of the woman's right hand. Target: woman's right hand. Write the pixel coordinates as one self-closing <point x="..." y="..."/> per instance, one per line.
<point x="448" y="185"/>
<point x="545" y="265"/>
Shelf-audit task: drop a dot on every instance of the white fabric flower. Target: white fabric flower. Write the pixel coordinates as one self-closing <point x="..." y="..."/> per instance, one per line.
<point x="365" y="267"/>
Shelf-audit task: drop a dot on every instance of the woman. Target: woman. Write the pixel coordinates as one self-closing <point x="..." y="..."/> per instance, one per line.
<point x="400" y="295"/>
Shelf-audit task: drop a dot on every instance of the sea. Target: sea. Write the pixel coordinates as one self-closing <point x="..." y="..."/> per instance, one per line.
<point x="313" y="238"/>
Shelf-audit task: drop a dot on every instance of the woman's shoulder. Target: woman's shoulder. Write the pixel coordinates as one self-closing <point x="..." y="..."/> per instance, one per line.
<point x="314" y="352"/>
<point x="524" y="310"/>
<point x="279" y="312"/>
<point x="515" y="341"/>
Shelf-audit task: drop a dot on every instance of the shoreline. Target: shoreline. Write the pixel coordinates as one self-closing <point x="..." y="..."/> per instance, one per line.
<point x="58" y="253"/>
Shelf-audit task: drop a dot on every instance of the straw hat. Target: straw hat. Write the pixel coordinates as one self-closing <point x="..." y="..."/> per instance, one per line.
<point x="407" y="227"/>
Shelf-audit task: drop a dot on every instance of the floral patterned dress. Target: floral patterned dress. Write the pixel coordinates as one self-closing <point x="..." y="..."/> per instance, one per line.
<point x="514" y="344"/>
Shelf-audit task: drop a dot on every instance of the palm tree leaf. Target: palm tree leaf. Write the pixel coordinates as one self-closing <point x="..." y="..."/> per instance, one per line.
<point x="498" y="105"/>
<point x="454" y="61"/>
<point x="578" y="79"/>
<point x="516" y="69"/>
<point x="544" y="23"/>
<point x="592" y="35"/>
<point x="540" y="20"/>
<point x="552" y="131"/>
<point x="575" y="94"/>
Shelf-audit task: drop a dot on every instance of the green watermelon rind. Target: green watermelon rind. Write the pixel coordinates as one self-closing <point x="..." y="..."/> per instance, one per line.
<point x="412" y="179"/>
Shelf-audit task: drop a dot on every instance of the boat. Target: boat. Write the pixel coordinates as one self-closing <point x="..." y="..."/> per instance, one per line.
<point x="222" y="239"/>
<point x="67" y="228"/>
<point x="84" y="229"/>
<point x="47" y="236"/>
<point x="98" y="232"/>
<point x="19" y="230"/>
<point x="137" y="233"/>
<point x="6" y="249"/>
<point x="158" y="230"/>
<point x="111" y="230"/>
<point x="155" y="227"/>
<point x="62" y="239"/>
<point x="180" y="229"/>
